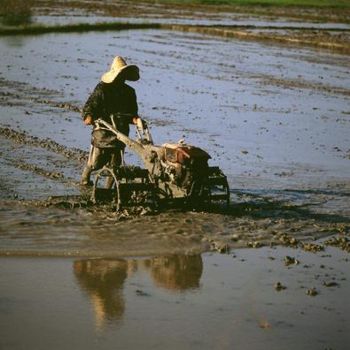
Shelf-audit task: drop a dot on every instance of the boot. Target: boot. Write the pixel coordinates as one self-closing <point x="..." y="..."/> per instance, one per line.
<point x="85" y="177"/>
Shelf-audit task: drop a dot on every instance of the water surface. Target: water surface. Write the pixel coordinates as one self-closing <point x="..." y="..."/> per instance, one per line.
<point x="173" y="302"/>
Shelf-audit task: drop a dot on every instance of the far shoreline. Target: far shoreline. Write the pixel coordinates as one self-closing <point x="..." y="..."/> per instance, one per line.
<point x="304" y="36"/>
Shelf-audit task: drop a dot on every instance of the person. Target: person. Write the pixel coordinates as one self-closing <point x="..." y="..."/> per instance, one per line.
<point x="114" y="102"/>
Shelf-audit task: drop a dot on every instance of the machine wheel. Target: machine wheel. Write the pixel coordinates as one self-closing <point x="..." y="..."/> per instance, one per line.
<point x="218" y="188"/>
<point x="106" y="193"/>
<point x="125" y="186"/>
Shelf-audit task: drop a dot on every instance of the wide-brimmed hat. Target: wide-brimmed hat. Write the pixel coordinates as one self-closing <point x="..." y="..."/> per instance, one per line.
<point x="119" y="65"/>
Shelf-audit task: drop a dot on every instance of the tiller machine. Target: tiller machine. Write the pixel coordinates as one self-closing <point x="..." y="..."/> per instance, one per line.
<point x="171" y="173"/>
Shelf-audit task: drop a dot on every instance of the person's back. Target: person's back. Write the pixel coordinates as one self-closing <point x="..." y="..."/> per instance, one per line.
<point x="115" y="102"/>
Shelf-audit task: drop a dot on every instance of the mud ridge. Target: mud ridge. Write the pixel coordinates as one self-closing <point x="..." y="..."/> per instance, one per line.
<point x="15" y="92"/>
<point x="64" y="105"/>
<point x="76" y="28"/>
<point x="53" y="175"/>
<point x="301" y="84"/>
<point x="325" y="42"/>
<point x="23" y="138"/>
<point x="20" y="86"/>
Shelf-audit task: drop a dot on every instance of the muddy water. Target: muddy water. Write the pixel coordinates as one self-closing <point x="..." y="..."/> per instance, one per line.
<point x="177" y="302"/>
<point x="275" y="119"/>
<point x="220" y="19"/>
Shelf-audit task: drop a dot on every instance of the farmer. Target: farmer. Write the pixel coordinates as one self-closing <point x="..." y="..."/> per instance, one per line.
<point x="114" y="102"/>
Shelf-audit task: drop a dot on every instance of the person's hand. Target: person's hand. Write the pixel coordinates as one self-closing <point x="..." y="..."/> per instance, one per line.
<point x="135" y="120"/>
<point x="140" y="123"/>
<point x="88" y="120"/>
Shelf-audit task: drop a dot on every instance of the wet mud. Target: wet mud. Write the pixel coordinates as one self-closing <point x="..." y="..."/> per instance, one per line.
<point x="35" y="219"/>
<point x="276" y="121"/>
<point x="281" y="194"/>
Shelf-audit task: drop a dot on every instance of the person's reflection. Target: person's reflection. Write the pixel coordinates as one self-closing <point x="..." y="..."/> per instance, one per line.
<point x="179" y="272"/>
<point x="103" y="281"/>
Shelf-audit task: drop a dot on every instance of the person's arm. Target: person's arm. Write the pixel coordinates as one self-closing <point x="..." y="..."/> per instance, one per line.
<point x="135" y="119"/>
<point x="93" y="106"/>
<point x="134" y="108"/>
<point x="88" y="120"/>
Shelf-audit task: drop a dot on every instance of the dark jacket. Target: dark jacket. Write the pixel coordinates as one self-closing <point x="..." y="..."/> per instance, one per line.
<point x="117" y="100"/>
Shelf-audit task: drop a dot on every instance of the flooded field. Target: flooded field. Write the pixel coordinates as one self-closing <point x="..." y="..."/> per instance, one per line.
<point x="274" y="118"/>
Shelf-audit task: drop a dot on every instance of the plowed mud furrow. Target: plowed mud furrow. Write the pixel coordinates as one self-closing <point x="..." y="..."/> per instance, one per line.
<point x="22" y="138"/>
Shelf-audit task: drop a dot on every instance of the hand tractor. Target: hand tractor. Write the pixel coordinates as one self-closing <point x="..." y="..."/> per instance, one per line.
<point x="171" y="173"/>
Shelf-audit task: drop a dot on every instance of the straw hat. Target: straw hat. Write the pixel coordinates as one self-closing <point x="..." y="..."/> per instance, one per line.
<point x="119" y="65"/>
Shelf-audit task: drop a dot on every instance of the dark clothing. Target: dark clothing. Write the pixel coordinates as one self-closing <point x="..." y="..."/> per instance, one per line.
<point x="116" y="104"/>
<point x="107" y="101"/>
<point x="99" y="157"/>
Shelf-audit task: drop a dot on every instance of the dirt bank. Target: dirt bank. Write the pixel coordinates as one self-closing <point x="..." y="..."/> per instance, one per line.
<point x="316" y="27"/>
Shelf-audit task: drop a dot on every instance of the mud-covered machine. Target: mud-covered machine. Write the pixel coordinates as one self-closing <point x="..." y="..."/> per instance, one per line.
<point x="171" y="173"/>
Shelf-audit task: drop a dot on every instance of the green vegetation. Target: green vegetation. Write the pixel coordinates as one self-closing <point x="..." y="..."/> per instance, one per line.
<point x="266" y="3"/>
<point x="75" y="28"/>
<point x="15" y="12"/>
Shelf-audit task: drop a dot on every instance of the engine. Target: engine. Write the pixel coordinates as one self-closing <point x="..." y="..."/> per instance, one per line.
<point x="185" y="164"/>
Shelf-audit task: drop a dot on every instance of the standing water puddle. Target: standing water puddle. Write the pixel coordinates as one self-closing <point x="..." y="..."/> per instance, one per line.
<point x="177" y="302"/>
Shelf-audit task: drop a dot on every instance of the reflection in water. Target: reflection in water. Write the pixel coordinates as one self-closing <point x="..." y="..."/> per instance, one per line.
<point x="103" y="280"/>
<point x="179" y="272"/>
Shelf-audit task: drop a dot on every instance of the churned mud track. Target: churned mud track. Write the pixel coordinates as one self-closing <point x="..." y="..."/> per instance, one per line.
<point x="71" y="226"/>
<point x="55" y="217"/>
<point x="47" y="223"/>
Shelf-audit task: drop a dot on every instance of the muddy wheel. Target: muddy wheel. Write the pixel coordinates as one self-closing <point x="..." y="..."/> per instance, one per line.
<point x="107" y="193"/>
<point x="221" y="194"/>
<point x="218" y="188"/>
<point x="199" y="197"/>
